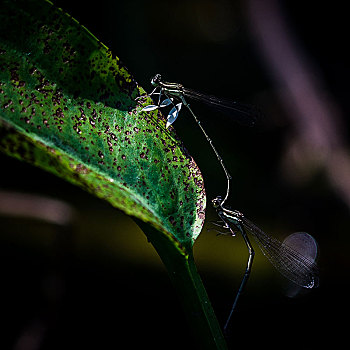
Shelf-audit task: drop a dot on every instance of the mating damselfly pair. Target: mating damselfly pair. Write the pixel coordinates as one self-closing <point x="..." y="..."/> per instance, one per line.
<point x="295" y="257"/>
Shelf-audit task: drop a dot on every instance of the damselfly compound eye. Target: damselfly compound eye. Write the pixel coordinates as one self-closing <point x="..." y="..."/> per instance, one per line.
<point x="217" y="201"/>
<point x="156" y="79"/>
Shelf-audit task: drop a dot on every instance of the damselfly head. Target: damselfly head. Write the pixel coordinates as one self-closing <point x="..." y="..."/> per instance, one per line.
<point x="156" y="80"/>
<point x="217" y="202"/>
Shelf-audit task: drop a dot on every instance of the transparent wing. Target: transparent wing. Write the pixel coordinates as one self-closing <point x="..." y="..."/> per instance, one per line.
<point x="173" y="114"/>
<point x="288" y="261"/>
<point x="149" y="108"/>
<point x="166" y="102"/>
<point x="244" y="114"/>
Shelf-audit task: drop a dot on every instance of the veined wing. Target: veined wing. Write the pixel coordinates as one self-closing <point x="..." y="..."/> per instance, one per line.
<point x="288" y="261"/>
<point x="244" y="114"/>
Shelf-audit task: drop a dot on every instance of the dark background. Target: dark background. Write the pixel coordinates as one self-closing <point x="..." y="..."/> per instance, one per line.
<point x="97" y="283"/>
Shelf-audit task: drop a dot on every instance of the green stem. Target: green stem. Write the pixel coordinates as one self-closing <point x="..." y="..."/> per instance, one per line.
<point x="184" y="275"/>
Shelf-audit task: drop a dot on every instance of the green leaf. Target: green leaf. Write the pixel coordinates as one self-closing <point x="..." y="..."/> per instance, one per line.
<point x="68" y="106"/>
<point x="63" y="93"/>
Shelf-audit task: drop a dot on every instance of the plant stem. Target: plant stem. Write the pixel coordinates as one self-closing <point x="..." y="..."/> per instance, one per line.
<point x="183" y="273"/>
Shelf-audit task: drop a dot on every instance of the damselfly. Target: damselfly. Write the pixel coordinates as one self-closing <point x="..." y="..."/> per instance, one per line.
<point x="298" y="267"/>
<point x="175" y="95"/>
<point x="289" y="260"/>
